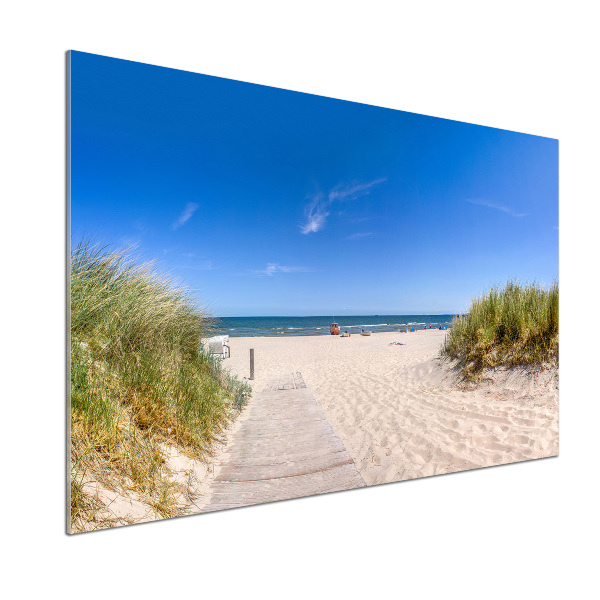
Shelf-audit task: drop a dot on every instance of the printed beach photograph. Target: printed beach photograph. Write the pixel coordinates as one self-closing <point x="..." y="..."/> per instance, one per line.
<point x="275" y="295"/>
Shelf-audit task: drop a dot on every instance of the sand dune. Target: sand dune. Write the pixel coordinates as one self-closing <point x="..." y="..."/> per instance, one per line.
<point x="402" y="412"/>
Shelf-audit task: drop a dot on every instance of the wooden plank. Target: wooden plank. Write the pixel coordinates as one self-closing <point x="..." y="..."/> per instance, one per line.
<point x="256" y="459"/>
<point x="284" y="448"/>
<point x="299" y="381"/>
<point x="272" y="453"/>
<point x="294" y="438"/>
<point x="268" y="490"/>
<point x="237" y="472"/>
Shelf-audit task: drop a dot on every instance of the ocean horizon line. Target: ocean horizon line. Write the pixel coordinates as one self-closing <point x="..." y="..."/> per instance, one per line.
<point x="315" y="316"/>
<point x="320" y="324"/>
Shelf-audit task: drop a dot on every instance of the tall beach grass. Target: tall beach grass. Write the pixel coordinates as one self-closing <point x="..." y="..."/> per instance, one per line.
<point x="139" y="380"/>
<point x="514" y="325"/>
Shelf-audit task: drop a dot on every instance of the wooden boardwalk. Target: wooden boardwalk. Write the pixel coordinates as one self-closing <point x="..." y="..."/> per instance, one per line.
<point x="284" y="448"/>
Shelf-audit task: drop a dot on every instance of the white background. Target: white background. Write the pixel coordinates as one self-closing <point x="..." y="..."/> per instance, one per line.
<point x="526" y="530"/>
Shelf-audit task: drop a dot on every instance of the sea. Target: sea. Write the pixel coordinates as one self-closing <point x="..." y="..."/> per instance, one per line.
<point x="293" y="326"/>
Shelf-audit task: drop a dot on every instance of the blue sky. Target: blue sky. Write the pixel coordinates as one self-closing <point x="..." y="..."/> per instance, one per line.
<point x="269" y="202"/>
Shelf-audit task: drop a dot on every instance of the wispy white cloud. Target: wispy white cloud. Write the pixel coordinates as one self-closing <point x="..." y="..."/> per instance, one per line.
<point x="273" y="268"/>
<point x="358" y="236"/>
<point x="317" y="210"/>
<point x="504" y="209"/>
<point x="343" y="192"/>
<point x="316" y="215"/>
<point x="186" y="215"/>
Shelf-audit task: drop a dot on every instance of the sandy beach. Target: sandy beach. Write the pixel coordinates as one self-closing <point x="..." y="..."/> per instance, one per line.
<point x="402" y="412"/>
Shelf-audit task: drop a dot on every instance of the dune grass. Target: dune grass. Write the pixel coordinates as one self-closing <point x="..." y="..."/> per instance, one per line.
<point x="515" y="325"/>
<point x="139" y="380"/>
